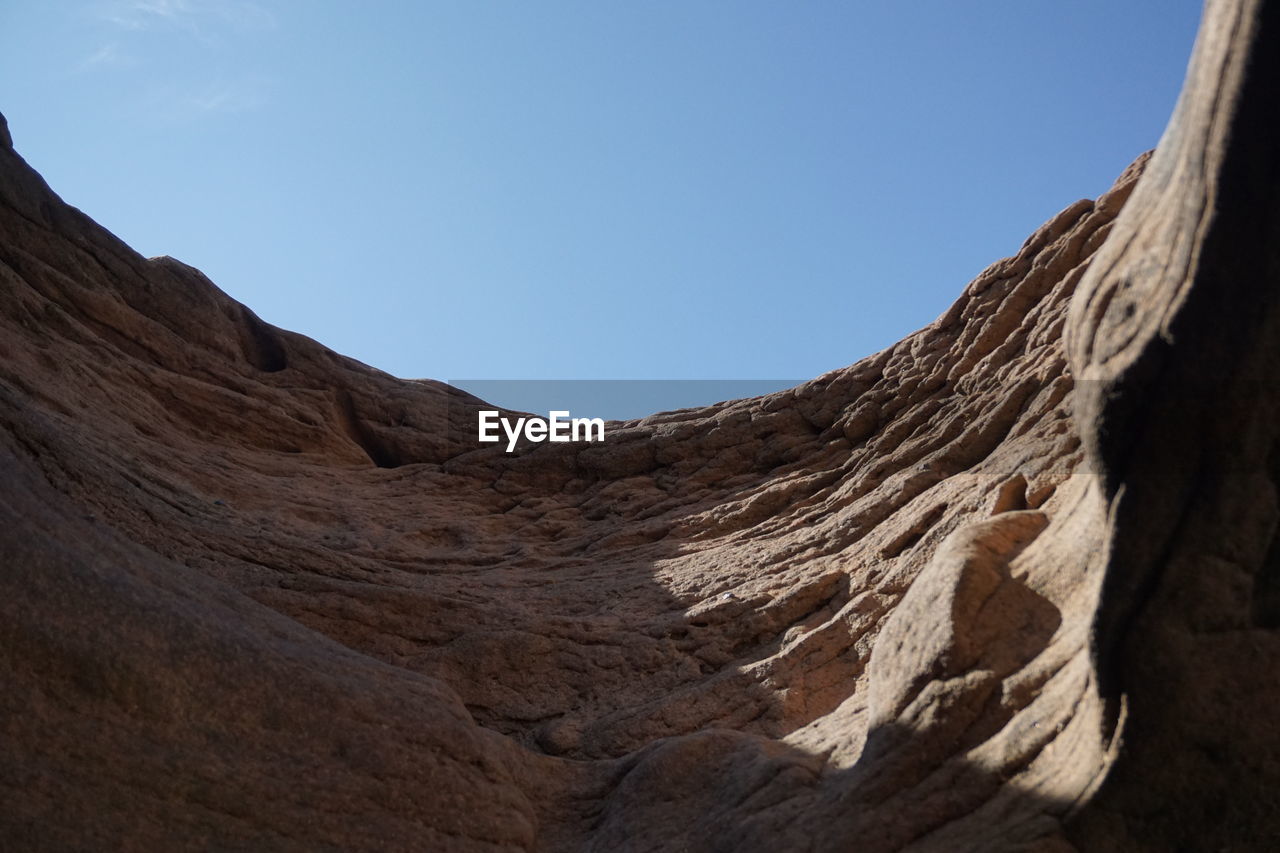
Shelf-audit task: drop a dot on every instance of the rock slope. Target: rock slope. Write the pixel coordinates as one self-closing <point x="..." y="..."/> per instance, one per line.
<point x="957" y="596"/>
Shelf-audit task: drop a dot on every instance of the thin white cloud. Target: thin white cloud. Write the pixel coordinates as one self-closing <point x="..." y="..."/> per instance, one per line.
<point x="178" y="103"/>
<point x="161" y="8"/>
<point x="202" y="18"/>
<point x="109" y="55"/>
<point x="235" y="97"/>
<point x="145" y="14"/>
<point x="139" y="32"/>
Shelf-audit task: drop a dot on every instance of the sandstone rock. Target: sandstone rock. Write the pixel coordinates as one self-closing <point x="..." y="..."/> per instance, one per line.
<point x="991" y="588"/>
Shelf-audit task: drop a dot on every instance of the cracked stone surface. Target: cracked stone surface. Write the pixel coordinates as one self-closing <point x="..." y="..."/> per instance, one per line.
<point x="990" y="588"/>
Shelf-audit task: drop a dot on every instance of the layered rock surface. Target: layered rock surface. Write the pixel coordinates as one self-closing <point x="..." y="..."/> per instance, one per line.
<point x="257" y="595"/>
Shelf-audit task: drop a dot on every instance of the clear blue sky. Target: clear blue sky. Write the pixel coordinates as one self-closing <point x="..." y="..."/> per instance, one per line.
<point x="649" y="189"/>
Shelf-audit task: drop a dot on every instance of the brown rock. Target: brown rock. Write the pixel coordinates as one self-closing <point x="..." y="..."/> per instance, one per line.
<point x="257" y="595"/>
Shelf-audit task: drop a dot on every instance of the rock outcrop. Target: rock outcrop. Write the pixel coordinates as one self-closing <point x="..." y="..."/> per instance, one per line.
<point x="1008" y="584"/>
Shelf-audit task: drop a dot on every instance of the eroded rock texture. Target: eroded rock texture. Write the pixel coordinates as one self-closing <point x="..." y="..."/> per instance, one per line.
<point x="260" y="596"/>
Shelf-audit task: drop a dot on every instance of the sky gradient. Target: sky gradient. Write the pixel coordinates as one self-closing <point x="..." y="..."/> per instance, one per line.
<point x="588" y="190"/>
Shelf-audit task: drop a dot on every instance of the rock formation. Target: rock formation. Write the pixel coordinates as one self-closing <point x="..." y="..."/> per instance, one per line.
<point x="1009" y="584"/>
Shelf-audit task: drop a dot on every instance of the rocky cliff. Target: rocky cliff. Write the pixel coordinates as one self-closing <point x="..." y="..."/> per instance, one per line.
<point x="1008" y="584"/>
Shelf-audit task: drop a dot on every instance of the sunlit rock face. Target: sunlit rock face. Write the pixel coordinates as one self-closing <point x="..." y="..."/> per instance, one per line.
<point x="257" y="595"/>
